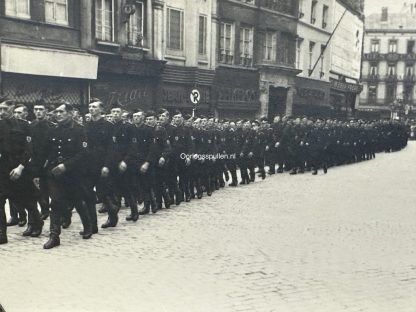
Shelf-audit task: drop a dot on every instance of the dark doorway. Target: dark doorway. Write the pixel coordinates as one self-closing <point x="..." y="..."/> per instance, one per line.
<point x="277" y="101"/>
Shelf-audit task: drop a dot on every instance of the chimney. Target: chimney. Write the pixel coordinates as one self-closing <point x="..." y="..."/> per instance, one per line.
<point x="384" y="14"/>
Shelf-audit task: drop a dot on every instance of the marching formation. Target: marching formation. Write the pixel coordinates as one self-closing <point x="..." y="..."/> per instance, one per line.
<point x="63" y="161"/>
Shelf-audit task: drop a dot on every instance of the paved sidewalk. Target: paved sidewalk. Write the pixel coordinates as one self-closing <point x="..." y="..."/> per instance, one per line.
<point x="344" y="241"/>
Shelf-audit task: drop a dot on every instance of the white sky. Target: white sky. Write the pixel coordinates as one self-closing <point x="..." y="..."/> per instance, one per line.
<point x="374" y="6"/>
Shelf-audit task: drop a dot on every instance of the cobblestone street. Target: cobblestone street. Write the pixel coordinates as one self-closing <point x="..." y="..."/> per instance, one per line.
<point x="344" y="241"/>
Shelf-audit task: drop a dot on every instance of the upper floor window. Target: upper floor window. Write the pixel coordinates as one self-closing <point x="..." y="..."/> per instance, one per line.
<point x="301" y="8"/>
<point x="372" y="92"/>
<point x="390" y="91"/>
<point x="373" y="70"/>
<point x="322" y="73"/>
<point x="175" y="35"/>
<point x="202" y="38"/>
<point x="269" y="46"/>
<point x="246" y="46"/>
<point x="226" y="43"/>
<point x="299" y="53"/>
<point x="56" y="11"/>
<point x="311" y="48"/>
<point x="313" y="11"/>
<point x="409" y="70"/>
<point x="375" y="46"/>
<point x="410" y="46"/>
<point x="135" y="25"/>
<point x="284" y="54"/>
<point x="104" y="20"/>
<point x="18" y="8"/>
<point x="392" y="46"/>
<point x="391" y="70"/>
<point x="325" y="17"/>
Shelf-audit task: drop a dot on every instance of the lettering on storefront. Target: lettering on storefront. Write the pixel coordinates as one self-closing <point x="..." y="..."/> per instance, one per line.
<point x="179" y="96"/>
<point x="128" y="96"/>
<point x="237" y="95"/>
<point x="310" y="93"/>
<point x="345" y="87"/>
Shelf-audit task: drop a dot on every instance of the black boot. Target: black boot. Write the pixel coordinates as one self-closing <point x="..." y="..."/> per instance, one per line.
<point x="3" y="233"/>
<point x="134" y="215"/>
<point x="153" y="205"/>
<point x="146" y="209"/>
<point x="112" y="216"/>
<point x="29" y="230"/>
<point x="53" y="241"/>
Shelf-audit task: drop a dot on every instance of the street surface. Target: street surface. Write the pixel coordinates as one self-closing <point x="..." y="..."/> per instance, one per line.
<point x="345" y="241"/>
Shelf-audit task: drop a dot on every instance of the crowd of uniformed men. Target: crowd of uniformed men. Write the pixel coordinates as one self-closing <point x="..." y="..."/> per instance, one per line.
<point x="62" y="161"/>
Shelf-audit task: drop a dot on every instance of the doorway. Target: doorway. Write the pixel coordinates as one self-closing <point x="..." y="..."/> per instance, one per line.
<point x="277" y="101"/>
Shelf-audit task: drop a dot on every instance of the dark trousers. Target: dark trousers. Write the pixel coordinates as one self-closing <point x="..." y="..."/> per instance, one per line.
<point x="22" y="195"/>
<point x="66" y="191"/>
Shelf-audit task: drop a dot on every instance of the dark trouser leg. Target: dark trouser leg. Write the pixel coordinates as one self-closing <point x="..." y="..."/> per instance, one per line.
<point x="3" y="221"/>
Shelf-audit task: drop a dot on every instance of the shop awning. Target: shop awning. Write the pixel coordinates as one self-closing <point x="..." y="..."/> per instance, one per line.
<point x="48" y="62"/>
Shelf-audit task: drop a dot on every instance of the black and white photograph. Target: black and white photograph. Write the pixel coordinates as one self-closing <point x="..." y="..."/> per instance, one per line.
<point x="207" y="156"/>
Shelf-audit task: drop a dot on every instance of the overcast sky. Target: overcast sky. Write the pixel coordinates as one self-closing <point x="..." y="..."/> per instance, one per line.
<point x="374" y="6"/>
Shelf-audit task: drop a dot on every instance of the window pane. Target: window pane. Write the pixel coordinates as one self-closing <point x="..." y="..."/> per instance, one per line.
<point x="61" y="15"/>
<point x="202" y="35"/>
<point x="49" y="11"/>
<point x="23" y="7"/>
<point x="11" y="7"/>
<point x="175" y="30"/>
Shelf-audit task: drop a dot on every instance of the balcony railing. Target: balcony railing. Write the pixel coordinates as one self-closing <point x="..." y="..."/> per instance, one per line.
<point x="226" y="58"/>
<point x="373" y="56"/>
<point x="409" y="78"/>
<point x="371" y="77"/>
<point x="391" y="78"/>
<point x="392" y="57"/>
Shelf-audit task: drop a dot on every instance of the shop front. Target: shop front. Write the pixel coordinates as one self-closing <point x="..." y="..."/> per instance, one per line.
<point x="311" y="98"/>
<point x="236" y="93"/>
<point x="277" y="87"/>
<point x="31" y="74"/>
<point x="344" y="98"/>
<point x="131" y="84"/>
<point x="177" y="85"/>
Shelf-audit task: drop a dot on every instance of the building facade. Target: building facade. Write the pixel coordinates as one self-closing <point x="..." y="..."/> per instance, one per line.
<point x="315" y="26"/>
<point x="256" y="42"/>
<point x="389" y="64"/>
<point x="329" y="47"/>
<point x="39" y="42"/>
<point x="346" y="48"/>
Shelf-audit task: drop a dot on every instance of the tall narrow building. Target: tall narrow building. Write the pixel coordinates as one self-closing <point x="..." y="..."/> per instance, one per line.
<point x="389" y="64"/>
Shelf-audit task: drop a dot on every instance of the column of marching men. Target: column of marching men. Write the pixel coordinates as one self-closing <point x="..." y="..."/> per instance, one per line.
<point x="61" y="161"/>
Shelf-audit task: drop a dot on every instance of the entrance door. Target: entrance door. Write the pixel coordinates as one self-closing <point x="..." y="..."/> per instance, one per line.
<point x="277" y="101"/>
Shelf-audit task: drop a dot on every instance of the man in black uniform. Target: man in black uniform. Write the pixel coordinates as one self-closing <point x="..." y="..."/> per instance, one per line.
<point x="18" y="215"/>
<point x="65" y="158"/>
<point x="144" y="162"/>
<point x="40" y="128"/>
<point x="101" y="163"/>
<point x="125" y="178"/>
<point x="15" y="154"/>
